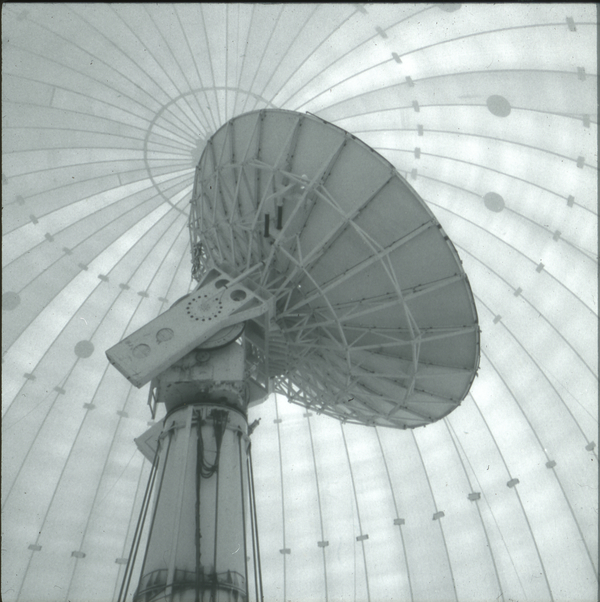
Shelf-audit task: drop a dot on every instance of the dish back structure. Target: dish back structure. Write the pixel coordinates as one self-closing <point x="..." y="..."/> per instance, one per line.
<point x="375" y="321"/>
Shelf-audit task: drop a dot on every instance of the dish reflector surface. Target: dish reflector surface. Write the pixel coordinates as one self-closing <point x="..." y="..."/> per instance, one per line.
<point x="375" y="319"/>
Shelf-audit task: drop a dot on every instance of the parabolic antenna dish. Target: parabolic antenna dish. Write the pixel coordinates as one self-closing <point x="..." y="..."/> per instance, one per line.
<point x="375" y="321"/>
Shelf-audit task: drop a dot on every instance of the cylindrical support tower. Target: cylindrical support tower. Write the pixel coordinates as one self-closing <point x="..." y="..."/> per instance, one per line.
<point x="197" y="545"/>
<point x="196" y="548"/>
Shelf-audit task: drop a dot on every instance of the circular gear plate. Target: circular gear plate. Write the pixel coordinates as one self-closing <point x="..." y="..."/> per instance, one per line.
<point x="202" y="308"/>
<point x="223" y="337"/>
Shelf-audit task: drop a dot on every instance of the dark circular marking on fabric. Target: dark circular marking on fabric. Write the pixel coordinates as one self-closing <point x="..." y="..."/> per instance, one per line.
<point x="494" y="202"/>
<point x="449" y="7"/>
<point x="499" y="106"/>
<point x="84" y="349"/>
<point x="10" y="301"/>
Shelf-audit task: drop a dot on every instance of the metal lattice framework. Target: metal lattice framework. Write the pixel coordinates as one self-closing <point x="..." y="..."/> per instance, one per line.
<point x="375" y="320"/>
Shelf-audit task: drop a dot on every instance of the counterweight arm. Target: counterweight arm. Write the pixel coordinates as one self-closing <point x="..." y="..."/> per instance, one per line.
<point x="219" y="301"/>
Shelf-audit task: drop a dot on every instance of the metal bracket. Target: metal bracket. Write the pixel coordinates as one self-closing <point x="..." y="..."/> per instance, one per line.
<point x="149" y="441"/>
<point x="219" y="301"/>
